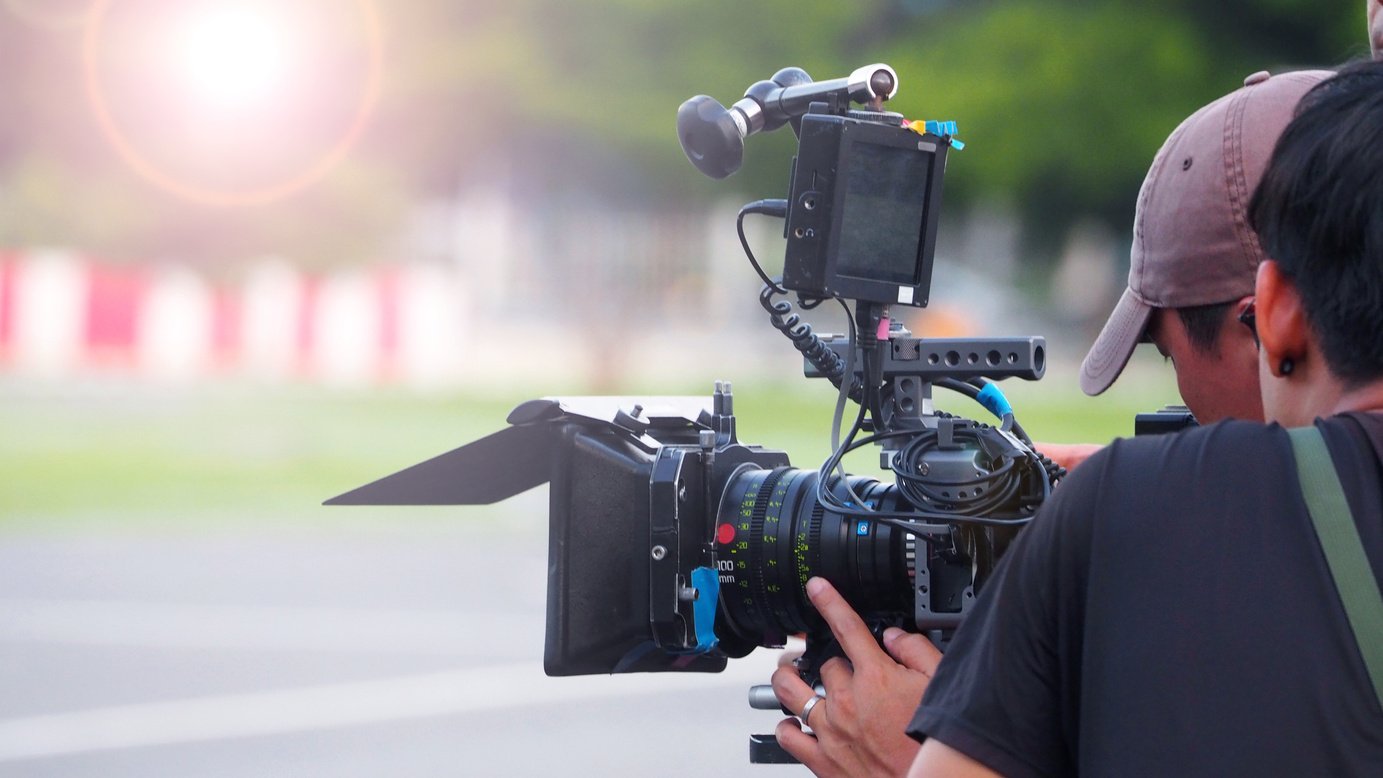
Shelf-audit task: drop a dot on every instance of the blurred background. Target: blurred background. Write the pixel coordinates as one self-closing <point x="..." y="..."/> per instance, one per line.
<point x="255" y="253"/>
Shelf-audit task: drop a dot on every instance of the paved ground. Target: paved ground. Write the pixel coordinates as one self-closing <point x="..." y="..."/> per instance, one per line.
<point x="325" y="649"/>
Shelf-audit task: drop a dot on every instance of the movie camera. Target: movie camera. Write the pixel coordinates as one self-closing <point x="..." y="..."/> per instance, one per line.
<point x="674" y="546"/>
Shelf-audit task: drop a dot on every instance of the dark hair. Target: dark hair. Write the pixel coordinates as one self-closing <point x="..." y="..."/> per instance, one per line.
<point x="1319" y="213"/>
<point x="1203" y="324"/>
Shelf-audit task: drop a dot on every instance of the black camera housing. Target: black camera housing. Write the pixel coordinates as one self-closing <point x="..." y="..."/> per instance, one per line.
<point x="628" y="542"/>
<point x="863" y="208"/>
<point x="673" y="547"/>
<point x="1167" y="420"/>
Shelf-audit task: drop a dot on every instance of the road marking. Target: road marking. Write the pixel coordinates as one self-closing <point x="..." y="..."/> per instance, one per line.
<point x="257" y="714"/>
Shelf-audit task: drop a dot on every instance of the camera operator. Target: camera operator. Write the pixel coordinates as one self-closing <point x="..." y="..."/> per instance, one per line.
<point x="1191" y="271"/>
<point x="1178" y="608"/>
<point x="1195" y="334"/>
<point x="1192" y="275"/>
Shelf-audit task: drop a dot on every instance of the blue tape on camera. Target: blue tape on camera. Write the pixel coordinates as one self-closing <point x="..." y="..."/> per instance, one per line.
<point x="945" y="130"/>
<point x="994" y="400"/>
<point x="707" y="584"/>
<point x="940" y="128"/>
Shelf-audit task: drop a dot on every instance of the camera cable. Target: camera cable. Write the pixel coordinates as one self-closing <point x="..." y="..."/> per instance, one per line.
<point x="776" y="208"/>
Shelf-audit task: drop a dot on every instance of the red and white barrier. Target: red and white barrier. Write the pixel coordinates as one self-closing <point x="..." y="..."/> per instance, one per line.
<point x="47" y="296"/>
<point x="65" y="315"/>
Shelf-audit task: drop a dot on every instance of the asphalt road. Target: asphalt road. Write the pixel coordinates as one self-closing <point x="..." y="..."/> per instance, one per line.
<point x="326" y="648"/>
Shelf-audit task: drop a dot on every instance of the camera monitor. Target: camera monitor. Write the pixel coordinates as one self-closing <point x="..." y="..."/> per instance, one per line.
<point x="863" y="213"/>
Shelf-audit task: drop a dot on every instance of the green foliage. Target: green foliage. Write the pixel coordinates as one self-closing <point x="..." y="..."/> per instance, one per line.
<point x="1269" y="33"/>
<point x="1062" y="105"/>
<point x="1063" y="101"/>
<point x="578" y="88"/>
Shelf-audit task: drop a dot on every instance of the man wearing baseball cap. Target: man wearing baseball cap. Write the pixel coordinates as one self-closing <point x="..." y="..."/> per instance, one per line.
<point x="1194" y="256"/>
<point x="1210" y="371"/>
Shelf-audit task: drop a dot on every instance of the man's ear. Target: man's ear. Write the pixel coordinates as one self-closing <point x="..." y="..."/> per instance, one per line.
<point x="1282" y="326"/>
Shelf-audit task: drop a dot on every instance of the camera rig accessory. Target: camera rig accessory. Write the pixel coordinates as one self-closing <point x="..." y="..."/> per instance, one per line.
<point x="713" y="136"/>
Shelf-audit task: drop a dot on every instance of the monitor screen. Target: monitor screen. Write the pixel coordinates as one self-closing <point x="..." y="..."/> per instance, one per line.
<point x="881" y="222"/>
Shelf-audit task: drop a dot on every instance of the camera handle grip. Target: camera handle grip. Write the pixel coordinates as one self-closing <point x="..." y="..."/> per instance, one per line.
<point x="712" y="135"/>
<point x="765" y="749"/>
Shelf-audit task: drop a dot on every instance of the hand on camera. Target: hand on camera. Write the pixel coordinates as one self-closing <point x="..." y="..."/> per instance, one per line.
<point x="858" y="728"/>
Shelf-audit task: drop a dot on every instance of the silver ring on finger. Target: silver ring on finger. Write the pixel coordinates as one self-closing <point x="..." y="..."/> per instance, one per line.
<point x="807" y="709"/>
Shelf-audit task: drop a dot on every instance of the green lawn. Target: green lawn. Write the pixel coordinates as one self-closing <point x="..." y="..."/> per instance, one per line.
<point x="75" y="456"/>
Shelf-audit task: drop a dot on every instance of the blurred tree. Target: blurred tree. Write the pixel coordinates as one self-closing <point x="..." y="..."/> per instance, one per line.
<point x="1262" y="33"/>
<point x="583" y="93"/>
<point x="1062" y="104"/>
<point x="1063" y="101"/>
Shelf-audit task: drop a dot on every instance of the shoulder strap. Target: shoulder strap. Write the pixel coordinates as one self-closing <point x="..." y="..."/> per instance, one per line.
<point x="1344" y="551"/>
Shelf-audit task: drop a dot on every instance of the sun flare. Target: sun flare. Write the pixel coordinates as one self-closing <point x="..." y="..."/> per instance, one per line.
<point x="233" y="56"/>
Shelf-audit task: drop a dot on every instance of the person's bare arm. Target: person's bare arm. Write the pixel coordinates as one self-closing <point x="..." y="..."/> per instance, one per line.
<point x="1068" y="455"/>
<point x="938" y="759"/>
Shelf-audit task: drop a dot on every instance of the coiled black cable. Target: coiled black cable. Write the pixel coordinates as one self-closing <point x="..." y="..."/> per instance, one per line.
<point x="813" y="348"/>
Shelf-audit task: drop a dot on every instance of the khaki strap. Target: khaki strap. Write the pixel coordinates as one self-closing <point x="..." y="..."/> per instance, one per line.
<point x="1344" y="551"/>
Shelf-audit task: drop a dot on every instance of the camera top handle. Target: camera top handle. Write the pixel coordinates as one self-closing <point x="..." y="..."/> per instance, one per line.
<point x="713" y="136"/>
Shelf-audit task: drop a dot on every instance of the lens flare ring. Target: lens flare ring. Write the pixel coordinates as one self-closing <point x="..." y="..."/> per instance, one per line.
<point x="258" y="195"/>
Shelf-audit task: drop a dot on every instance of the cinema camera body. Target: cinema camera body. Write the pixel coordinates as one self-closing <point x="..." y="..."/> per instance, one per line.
<point x="673" y="545"/>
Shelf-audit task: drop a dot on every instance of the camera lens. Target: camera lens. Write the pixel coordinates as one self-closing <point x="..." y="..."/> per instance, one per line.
<point x="772" y="534"/>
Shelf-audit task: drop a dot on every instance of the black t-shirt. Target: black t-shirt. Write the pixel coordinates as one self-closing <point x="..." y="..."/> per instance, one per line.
<point x="1170" y="612"/>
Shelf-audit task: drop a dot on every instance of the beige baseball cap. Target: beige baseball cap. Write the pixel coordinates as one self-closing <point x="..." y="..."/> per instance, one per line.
<point x="1192" y="243"/>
